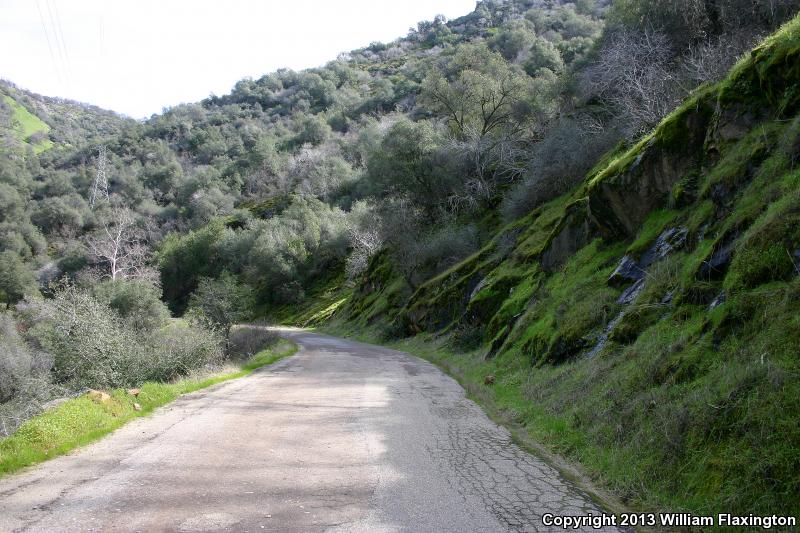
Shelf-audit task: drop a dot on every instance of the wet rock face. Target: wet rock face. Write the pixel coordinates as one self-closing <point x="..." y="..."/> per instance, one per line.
<point x="630" y="294"/>
<point x="629" y="269"/>
<point x="620" y="203"/>
<point x="666" y="243"/>
<point x="717" y="264"/>
<point x="719" y="300"/>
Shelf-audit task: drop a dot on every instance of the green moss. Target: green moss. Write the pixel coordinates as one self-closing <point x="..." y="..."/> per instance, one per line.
<point x="512" y="306"/>
<point x="567" y="307"/>
<point x="655" y="224"/>
<point x="736" y="168"/>
<point x="765" y="252"/>
<point x="770" y="74"/>
<point x="541" y="225"/>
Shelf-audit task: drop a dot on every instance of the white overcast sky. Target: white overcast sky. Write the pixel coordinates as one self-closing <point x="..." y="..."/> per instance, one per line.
<point x="139" y="56"/>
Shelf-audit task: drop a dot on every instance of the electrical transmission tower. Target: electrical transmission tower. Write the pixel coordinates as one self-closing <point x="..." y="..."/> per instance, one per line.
<point x="100" y="185"/>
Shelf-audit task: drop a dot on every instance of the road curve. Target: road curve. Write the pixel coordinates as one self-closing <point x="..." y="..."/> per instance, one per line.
<point x="342" y="436"/>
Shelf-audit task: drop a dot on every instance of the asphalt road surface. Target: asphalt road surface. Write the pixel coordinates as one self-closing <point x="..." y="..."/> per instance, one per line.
<point x="342" y="436"/>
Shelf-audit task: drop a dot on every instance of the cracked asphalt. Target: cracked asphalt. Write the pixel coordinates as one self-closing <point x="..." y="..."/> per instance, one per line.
<point x="342" y="436"/>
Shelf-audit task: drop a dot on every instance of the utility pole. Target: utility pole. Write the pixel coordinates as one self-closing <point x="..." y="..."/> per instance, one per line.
<point x="100" y="185"/>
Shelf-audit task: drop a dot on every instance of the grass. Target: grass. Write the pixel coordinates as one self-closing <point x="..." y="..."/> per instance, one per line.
<point x="25" y="124"/>
<point x="81" y="420"/>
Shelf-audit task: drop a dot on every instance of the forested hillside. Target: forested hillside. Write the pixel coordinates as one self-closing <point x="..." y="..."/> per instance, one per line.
<point x="580" y="199"/>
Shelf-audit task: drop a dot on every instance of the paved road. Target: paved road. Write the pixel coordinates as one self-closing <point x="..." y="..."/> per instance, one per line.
<point x="342" y="436"/>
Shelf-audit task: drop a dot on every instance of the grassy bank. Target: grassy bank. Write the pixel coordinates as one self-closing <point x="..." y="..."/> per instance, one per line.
<point x="82" y="420"/>
<point x="519" y="398"/>
<point x="531" y="429"/>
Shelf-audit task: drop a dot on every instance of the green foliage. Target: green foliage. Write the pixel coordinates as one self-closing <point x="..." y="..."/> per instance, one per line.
<point x="138" y="302"/>
<point x="484" y="95"/>
<point x="89" y="344"/>
<point x="223" y="301"/>
<point x="16" y="279"/>
<point x="405" y="164"/>
<point x="92" y="346"/>
<point x="183" y="259"/>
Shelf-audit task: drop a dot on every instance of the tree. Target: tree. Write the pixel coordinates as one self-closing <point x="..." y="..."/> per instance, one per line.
<point x="16" y="280"/>
<point x="121" y="246"/>
<point x="183" y="259"/>
<point x="483" y="95"/>
<point x="407" y="163"/>
<point x="224" y="301"/>
<point x="634" y="74"/>
<point x="364" y="231"/>
<point x="137" y="301"/>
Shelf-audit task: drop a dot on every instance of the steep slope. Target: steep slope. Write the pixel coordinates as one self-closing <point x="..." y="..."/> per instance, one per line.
<point x="23" y="127"/>
<point x="40" y="121"/>
<point x="648" y="322"/>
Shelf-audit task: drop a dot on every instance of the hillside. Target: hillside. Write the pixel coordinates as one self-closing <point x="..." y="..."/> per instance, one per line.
<point x="588" y="211"/>
<point x="646" y="322"/>
<point x="43" y="121"/>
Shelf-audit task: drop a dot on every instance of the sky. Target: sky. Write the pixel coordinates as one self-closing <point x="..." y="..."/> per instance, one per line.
<point x="137" y="57"/>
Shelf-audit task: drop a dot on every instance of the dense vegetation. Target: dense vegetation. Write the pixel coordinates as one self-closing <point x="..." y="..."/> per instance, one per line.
<point x="480" y="178"/>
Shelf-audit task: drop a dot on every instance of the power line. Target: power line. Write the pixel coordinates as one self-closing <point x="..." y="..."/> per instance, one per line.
<point x="49" y="45"/>
<point x="60" y="32"/>
<point x="62" y="53"/>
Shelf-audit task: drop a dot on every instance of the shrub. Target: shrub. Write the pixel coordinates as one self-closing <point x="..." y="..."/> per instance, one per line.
<point x="93" y="346"/>
<point x="24" y="377"/>
<point x="16" y="280"/>
<point x="559" y="162"/>
<point x="90" y="344"/>
<point x="446" y="246"/>
<point x="19" y="363"/>
<point x="223" y="301"/>
<point x="179" y="348"/>
<point x="246" y="341"/>
<point x="138" y="302"/>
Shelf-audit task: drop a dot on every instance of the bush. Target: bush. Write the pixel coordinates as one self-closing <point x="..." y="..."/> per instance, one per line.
<point x="246" y="341"/>
<point x="223" y="301"/>
<point x="93" y="346"/>
<point x="16" y="280"/>
<point x="559" y="162"/>
<point x="90" y="344"/>
<point x="24" y="377"/>
<point x="138" y="302"/>
<point x="19" y="363"/>
<point x="446" y="246"/>
<point x="178" y="349"/>
<point x="420" y="255"/>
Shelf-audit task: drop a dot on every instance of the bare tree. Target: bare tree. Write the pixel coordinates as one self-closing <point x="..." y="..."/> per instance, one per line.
<point x="711" y="60"/>
<point x="120" y="245"/>
<point x="364" y="232"/>
<point x="634" y="72"/>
